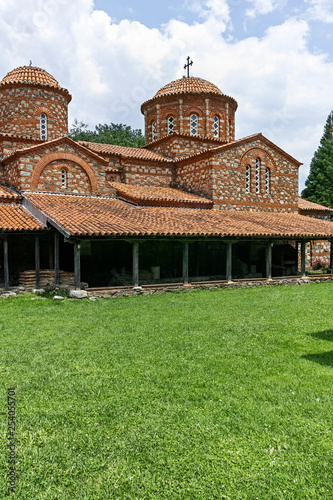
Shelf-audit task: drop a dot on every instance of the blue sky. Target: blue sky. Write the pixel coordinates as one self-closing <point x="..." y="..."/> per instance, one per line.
<point x="274" y="57"/>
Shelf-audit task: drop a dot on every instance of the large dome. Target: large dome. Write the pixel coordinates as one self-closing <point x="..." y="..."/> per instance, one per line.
<point x="30" y="75"/>
<point x="188" y="85"/>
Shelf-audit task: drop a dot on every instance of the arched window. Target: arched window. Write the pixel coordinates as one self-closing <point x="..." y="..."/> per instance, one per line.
<point x="63" y="178"/>
<point x="258" y="165"/>
<point x="216" y="127"/>
<point x="267" y="180"/>
<point x="153" y="131"/>
<point x="43" y="126"/>
<point x="171" y="124"/>
<point x="247" y="179"/>
<point x="193" y="124"/>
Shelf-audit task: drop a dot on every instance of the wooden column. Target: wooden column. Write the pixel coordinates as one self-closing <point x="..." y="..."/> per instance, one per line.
<point x="303" y="259"/>
<point x="37" y="263"/>
<point x="77" y="265"/>
<point x="56" y="259"/>
<point x="185" y="263"/>
<point x="331" y="257"/>
<point x="229" y="262"/>
<point x="269" y="261"/>
<point x="5" y="263"/>
<point x="135" y="264"/>
<point x="297" y="259"/>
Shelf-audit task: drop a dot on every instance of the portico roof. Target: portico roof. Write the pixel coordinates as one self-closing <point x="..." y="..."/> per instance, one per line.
<point x="84" y="216"/>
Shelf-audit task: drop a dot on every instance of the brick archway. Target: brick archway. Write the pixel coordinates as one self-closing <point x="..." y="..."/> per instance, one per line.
<point x="261" y="153"/>
<point x="62" y="156"/>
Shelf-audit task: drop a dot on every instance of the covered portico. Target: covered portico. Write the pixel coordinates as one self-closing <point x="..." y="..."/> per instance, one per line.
<point x="108" y="243"/>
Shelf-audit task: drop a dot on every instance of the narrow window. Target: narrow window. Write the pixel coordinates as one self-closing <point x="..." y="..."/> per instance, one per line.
<point x="153" y="131"/>
<point x="63" y="178"/>
<point x="258" y="164"/>
<point x="43" y="126"/>
<point x="171" y="124"/>
<point x="194" y="124"/>
<point x="267" y="181"/>
<point x="216" y="127"/>
<point x="248" y="179"/>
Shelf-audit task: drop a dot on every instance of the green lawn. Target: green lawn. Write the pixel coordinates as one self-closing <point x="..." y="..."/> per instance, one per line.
<point x="221" y="394"/>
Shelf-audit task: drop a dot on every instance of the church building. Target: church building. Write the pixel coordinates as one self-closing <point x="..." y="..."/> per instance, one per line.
<point x="193" y="205"/>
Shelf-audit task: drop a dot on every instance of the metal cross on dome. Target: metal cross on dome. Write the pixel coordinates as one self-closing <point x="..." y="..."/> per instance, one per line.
<point x="187" y="66"/>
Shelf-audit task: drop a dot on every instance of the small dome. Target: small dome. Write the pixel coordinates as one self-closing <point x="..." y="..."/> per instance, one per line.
<point x="188" y="85"/>
<point x="30" y="75"/>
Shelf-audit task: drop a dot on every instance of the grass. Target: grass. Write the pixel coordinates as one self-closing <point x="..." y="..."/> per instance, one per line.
<point x="221" y="394"/>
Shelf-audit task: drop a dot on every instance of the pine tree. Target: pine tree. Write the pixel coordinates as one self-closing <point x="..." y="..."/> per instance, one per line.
<point x="319" y="184"/>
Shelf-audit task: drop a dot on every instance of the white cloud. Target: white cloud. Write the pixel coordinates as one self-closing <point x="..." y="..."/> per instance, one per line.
<point x="110" y="68"/>
<point x="260" y="7"/>
<point x="320" y="10"/>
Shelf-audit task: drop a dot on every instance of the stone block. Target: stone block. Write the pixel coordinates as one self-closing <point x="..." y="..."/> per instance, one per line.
<point x="78" y="294"/>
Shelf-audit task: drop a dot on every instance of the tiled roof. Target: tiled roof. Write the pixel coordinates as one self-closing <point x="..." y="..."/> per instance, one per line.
<point x="32" y="75"/>
<point x="8" y="195"/>
<point x="159" y="196"/>
<point x="14" y="217"/>
<point x="309" y="205"/>
<point x="185" y="85"/>
<point x="88" y="216"/>
<point x="188" y="85"/>
<point x="137" y="153"/>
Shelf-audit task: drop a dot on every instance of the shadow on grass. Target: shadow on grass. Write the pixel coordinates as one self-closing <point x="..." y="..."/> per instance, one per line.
<point x="325" y="335"/>
<point x="323" y="358"/>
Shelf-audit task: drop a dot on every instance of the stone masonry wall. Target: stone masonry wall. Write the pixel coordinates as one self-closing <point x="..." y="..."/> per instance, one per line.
<point x="41" y="169"/>
<point x="205" y="106"/>
<point x="21" y="107"/>
<point x="179" y="147"/>
<point x="228" y="178"/>
<point x="148" y="173"/>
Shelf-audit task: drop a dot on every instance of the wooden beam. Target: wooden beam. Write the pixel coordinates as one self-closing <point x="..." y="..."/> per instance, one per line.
<point x="5" y="263"/>
<point x="269" y="261"/>
<point x="77" y="265"/>
<point x="135" y="270"/>
<point x="56" y="259"/>
<point x="185" y="263"/>
<point x="303" y="259"/>
<point x="37" y="262"/>
<point x="229" y="262"/>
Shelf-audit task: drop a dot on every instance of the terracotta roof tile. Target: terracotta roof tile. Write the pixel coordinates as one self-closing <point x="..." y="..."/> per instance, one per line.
<point x="82" y="215"/>
<point x="188" y="85"/>
<point x="32" y="75"/>
<point x="191" y="84"/>
<point x="137" y="153"/>
<point x="8" y="195"/>
<point x="159" y="196"/>
<point x="309" y="205"/>
<point x="14" y="217"/>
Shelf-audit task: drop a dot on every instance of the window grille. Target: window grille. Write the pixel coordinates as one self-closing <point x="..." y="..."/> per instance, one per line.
<point x="258" y="165"/>
<point x="194" y="124"/>
<point x="153" y="131"/>
<point x="267" y="181"/>
<point x="171" y="124"/>
<point x="216" y="127"/>
<point x="248" y="179"/>
<point x="63" y="179"/>
<point x="43" y="126"/>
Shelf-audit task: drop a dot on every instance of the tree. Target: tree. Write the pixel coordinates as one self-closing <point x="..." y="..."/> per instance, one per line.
<point x="319" y="184"/>
<point x="118" y="134"/>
